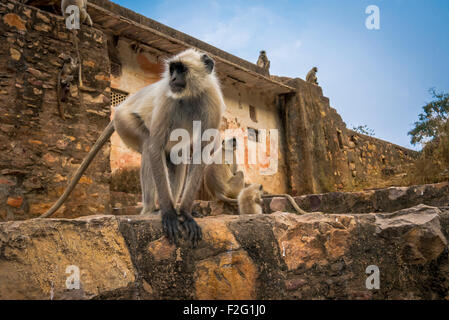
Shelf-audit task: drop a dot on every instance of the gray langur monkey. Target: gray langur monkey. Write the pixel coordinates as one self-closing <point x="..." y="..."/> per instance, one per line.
<point x="263" y="61"/>
<point x="66" y="77"/>
<point x="250" y="200"/>
<point x="188" y="91"/>
<point x="222" y="180"/>
<point x="84" y="18"/>
<point x="311" y="76"/>
<point x="82" y="5"/>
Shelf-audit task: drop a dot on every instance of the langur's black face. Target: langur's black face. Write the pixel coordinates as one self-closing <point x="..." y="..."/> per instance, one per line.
<point x="234" y="143"/>
<point x="178" y="72"/>
<point x="229" y="144"/>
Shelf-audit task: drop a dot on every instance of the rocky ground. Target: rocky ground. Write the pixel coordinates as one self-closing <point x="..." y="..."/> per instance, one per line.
<point x="271" y="256"/>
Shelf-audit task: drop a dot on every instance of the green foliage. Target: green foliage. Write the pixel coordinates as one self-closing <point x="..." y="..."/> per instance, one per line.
<point x="432" y="120"/>
<point x="432" y="165"/>
<point x="432" y="131"/>
<point x="364" y="130"/>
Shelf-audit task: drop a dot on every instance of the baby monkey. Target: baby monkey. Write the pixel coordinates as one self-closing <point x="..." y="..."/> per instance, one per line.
<point x="250" y="200"/>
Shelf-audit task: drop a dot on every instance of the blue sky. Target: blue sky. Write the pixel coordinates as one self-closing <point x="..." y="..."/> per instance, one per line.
<point x="379" y="78"/>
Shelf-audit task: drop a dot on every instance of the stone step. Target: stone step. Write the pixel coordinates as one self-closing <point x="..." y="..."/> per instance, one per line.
<point x="270" y="256"/>
<point x="375" y="200"/>
<point x="380" y="200"/>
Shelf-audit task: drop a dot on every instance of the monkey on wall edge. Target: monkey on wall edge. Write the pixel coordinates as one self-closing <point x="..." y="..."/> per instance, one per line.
<point x="250" y="200"/>
<point x="311" y="76"/>
<point x="82" y="5"/>
<point x="263" y="62"/>
<point x="188" y="91"/>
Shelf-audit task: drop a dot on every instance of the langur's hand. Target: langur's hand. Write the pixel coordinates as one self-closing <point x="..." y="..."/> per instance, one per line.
<point x="170" y="225"/>
<point x="192" y="228"/>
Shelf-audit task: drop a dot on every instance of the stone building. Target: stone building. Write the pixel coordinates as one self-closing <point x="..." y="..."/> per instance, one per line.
<point x="120" y="54"/>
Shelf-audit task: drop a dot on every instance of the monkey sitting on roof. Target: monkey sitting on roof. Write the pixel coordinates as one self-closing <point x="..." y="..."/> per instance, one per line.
<point x="311" y="76"/>
<point x="263" y="62"/>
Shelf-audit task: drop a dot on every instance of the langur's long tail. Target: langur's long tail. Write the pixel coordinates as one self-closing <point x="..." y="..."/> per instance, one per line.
<point x="226" y="199"/>
<point x="106" y="134"/>
<point x="290" y="199"/>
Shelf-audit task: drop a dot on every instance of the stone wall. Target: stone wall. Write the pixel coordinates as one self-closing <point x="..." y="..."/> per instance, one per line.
<point x="323" y="155"/>
<point x="39" y="151"/>
<point x="375" y="163"/>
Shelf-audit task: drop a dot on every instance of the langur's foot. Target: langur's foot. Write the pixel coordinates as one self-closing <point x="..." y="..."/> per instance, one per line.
<point x="197" y="214"/>
<point x="149" y="210"/>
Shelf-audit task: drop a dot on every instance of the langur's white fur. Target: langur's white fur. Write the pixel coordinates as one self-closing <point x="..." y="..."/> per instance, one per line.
<point x="250" y="200"/>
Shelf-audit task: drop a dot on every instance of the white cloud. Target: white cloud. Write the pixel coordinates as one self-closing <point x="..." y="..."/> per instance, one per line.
<point x="242" y="30"/>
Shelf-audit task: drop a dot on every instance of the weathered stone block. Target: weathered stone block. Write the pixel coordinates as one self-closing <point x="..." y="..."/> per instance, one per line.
<point x="379" y="200"/>
<point x="36" y="254"/>
<point x="13" y="20"/>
